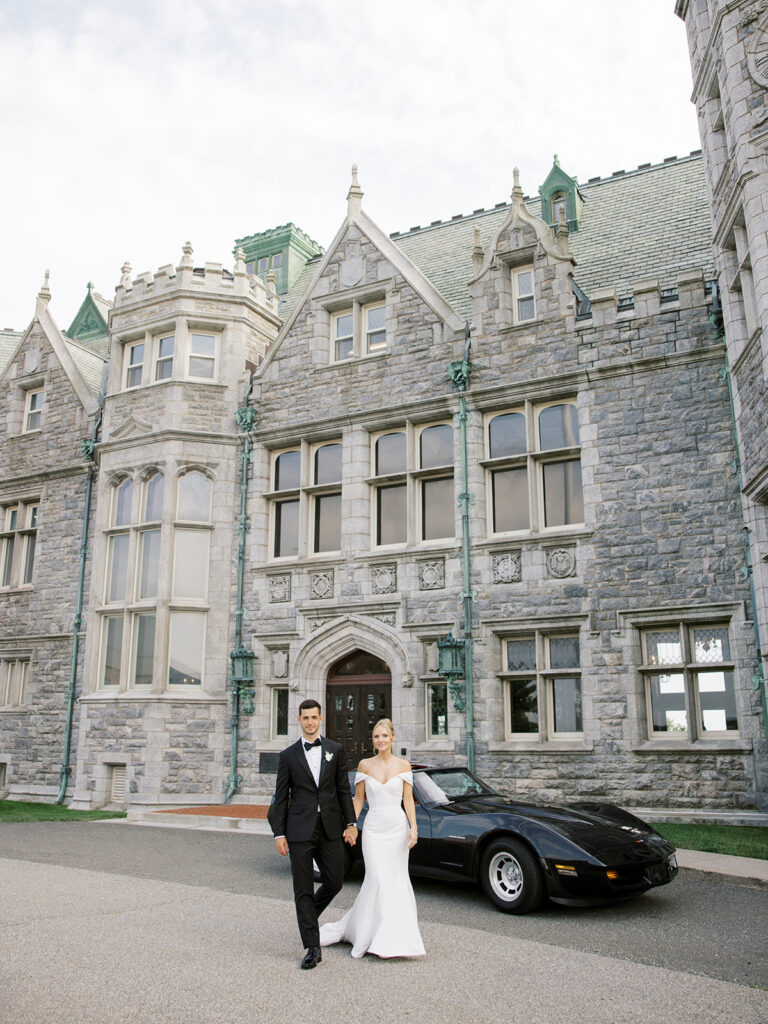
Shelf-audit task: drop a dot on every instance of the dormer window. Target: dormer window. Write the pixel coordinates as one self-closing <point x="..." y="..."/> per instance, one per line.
<point x="561" y="199"/>
<point x="559" y="208"/>
<point x="359" y="331"/>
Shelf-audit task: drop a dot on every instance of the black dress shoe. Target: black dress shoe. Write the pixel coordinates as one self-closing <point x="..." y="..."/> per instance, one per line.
<point x="312" y="959"/>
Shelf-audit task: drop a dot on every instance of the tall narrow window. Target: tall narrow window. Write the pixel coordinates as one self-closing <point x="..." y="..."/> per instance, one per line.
<point x="112" y="650"/>
<point x="375" y="328"/>
<point x="343" y="345"/>
<point x="563" y="500"/>
<point x="509" y="483"/>
<point x="164" y="360"/>
<point x="186" y="649"/>
<point x="523" y="295"/>
<point x="437" y="494"/>
<point x="134" y="364"/>
<point x="389" y="469"/>
<point x="30" y="543"/>
<point x="34" y="406"/>
<point x="194" y="504"/>
<point x="327" y="506"/>
<point x="287" y="479"/>
<point x="11" y="516"/>
<point x="279" y="712"/>
<point x="437" y="710"/>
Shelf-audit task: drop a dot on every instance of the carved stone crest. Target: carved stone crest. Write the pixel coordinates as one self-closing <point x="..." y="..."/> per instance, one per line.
<point x="352" y="265"/>
<point x="432" y="574"/>
<point x="321" y="585"/>
<point x="280" y="664"/>
<point x="506" y="567"/>
<point x="279" y="588"/>
<point x="561" y="562"/>
<point x="431" y="656"/>
<point x="384" y="578"/>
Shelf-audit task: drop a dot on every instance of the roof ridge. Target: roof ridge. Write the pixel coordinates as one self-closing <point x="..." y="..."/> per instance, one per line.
<point x="640" y="169"/>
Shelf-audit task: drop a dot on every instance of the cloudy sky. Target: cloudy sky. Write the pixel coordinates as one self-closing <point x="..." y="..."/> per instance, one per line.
<point x="128" y="128"/>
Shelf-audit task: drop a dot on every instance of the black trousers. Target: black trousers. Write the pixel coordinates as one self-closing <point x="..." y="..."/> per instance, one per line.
<point x="329" y="856"/>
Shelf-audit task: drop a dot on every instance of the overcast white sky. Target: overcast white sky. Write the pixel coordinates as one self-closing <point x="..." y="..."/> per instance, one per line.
<point x="128" y="128"/>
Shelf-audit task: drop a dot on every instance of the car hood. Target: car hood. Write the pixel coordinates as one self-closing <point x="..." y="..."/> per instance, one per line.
<point x="594" y="827"/>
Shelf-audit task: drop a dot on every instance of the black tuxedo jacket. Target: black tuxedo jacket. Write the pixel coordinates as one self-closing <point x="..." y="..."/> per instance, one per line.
<point x="297" y="798"/>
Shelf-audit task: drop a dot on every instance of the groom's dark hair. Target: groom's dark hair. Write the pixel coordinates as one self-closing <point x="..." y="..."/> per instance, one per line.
<point x="307" y="704"/>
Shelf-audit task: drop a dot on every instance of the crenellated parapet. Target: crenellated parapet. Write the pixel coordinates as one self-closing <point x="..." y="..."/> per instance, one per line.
<point x="210" y="279"/>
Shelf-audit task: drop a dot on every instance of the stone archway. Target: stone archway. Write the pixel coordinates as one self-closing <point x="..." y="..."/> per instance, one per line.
<point x="339" y="639"/>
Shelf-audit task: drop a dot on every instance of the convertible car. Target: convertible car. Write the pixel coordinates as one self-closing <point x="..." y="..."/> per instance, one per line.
<point x="520" y="853"/>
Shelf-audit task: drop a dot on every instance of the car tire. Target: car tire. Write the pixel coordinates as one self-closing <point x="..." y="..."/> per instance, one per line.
<point x="511" y="877"/>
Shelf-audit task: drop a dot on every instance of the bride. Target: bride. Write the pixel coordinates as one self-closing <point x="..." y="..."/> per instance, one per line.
<point x="383" y="919"/>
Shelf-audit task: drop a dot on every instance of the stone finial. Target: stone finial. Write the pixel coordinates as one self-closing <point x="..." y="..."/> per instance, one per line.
<point x="478" y="253"/>
<point x="125" y="280"/>
<point x="355" y="195"/>
<point x="186" y="257"/>
<point x="556" y="160"/>
<point x="271" y="282"/>
<point x="44" y="295"/>
<point x="240" y="261"/>
<point x="517" y="192"/>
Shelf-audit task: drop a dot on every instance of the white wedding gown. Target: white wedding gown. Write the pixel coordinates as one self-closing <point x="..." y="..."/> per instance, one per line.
<point x="382" y="919"/>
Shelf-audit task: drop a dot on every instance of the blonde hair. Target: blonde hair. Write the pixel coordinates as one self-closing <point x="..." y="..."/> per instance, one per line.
<point x="387" y="723"/>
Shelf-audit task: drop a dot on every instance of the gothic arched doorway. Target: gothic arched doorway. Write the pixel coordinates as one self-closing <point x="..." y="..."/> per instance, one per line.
<point x="359" y="693"/>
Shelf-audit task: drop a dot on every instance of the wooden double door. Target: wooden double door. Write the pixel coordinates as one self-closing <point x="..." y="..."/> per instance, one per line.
<point x="359" y="693"/>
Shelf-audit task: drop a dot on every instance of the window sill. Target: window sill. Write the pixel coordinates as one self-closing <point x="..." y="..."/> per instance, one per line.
<point x="524" y="325"/>
<point x="100" y="696"/>
<point x="542" y="746"/>
<point x="21" y="588"/>
<point x="354" y="360"/>
<point x="530" y="537"/>
<point x="14" y="709"/>
<point x="171" y="380"/>
<point x="730" y="746"/>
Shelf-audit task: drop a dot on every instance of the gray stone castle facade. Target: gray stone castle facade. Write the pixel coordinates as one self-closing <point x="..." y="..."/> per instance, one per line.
<point x="513" y="430"/>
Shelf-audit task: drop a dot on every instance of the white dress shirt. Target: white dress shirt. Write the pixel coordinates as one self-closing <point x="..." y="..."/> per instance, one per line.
<point x="314" y="758"/>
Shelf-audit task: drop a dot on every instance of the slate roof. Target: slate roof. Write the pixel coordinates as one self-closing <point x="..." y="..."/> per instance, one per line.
<point x="9" y="341"/>
<point x="651" y="222"/>
<point x="90" y="364"/>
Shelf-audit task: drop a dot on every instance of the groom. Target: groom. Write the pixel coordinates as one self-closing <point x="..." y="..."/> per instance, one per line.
<point x="313" y="804"/>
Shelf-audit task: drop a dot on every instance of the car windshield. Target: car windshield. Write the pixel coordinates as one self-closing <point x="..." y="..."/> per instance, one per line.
<point x="441" y="787"/>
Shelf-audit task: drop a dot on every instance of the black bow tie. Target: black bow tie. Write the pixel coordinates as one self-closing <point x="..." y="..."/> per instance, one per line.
<point x="308" y="746"/>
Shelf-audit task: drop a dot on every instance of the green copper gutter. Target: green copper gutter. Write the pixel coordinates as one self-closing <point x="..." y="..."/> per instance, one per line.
<point x="88" y="448"/>
<point x="459" y="373"/>
<point x="242" y="660"/>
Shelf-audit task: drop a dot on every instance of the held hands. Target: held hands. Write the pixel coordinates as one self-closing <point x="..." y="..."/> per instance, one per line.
<point x="350" y="834"/>
<point x="413" y="838"/>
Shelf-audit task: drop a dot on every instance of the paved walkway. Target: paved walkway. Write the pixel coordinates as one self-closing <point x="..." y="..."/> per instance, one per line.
<point x="96" y="948"/>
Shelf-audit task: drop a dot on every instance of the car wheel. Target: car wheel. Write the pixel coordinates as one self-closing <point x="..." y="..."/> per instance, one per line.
<point x="511" y="877"/>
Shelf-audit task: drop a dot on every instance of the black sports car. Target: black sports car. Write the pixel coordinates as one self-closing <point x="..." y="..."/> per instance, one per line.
<point x="576" y="854"/>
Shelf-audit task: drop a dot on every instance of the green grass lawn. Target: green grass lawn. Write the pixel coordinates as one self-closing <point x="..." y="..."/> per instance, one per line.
<point x="21" y="810"/>
<point x="737" y="840"/>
